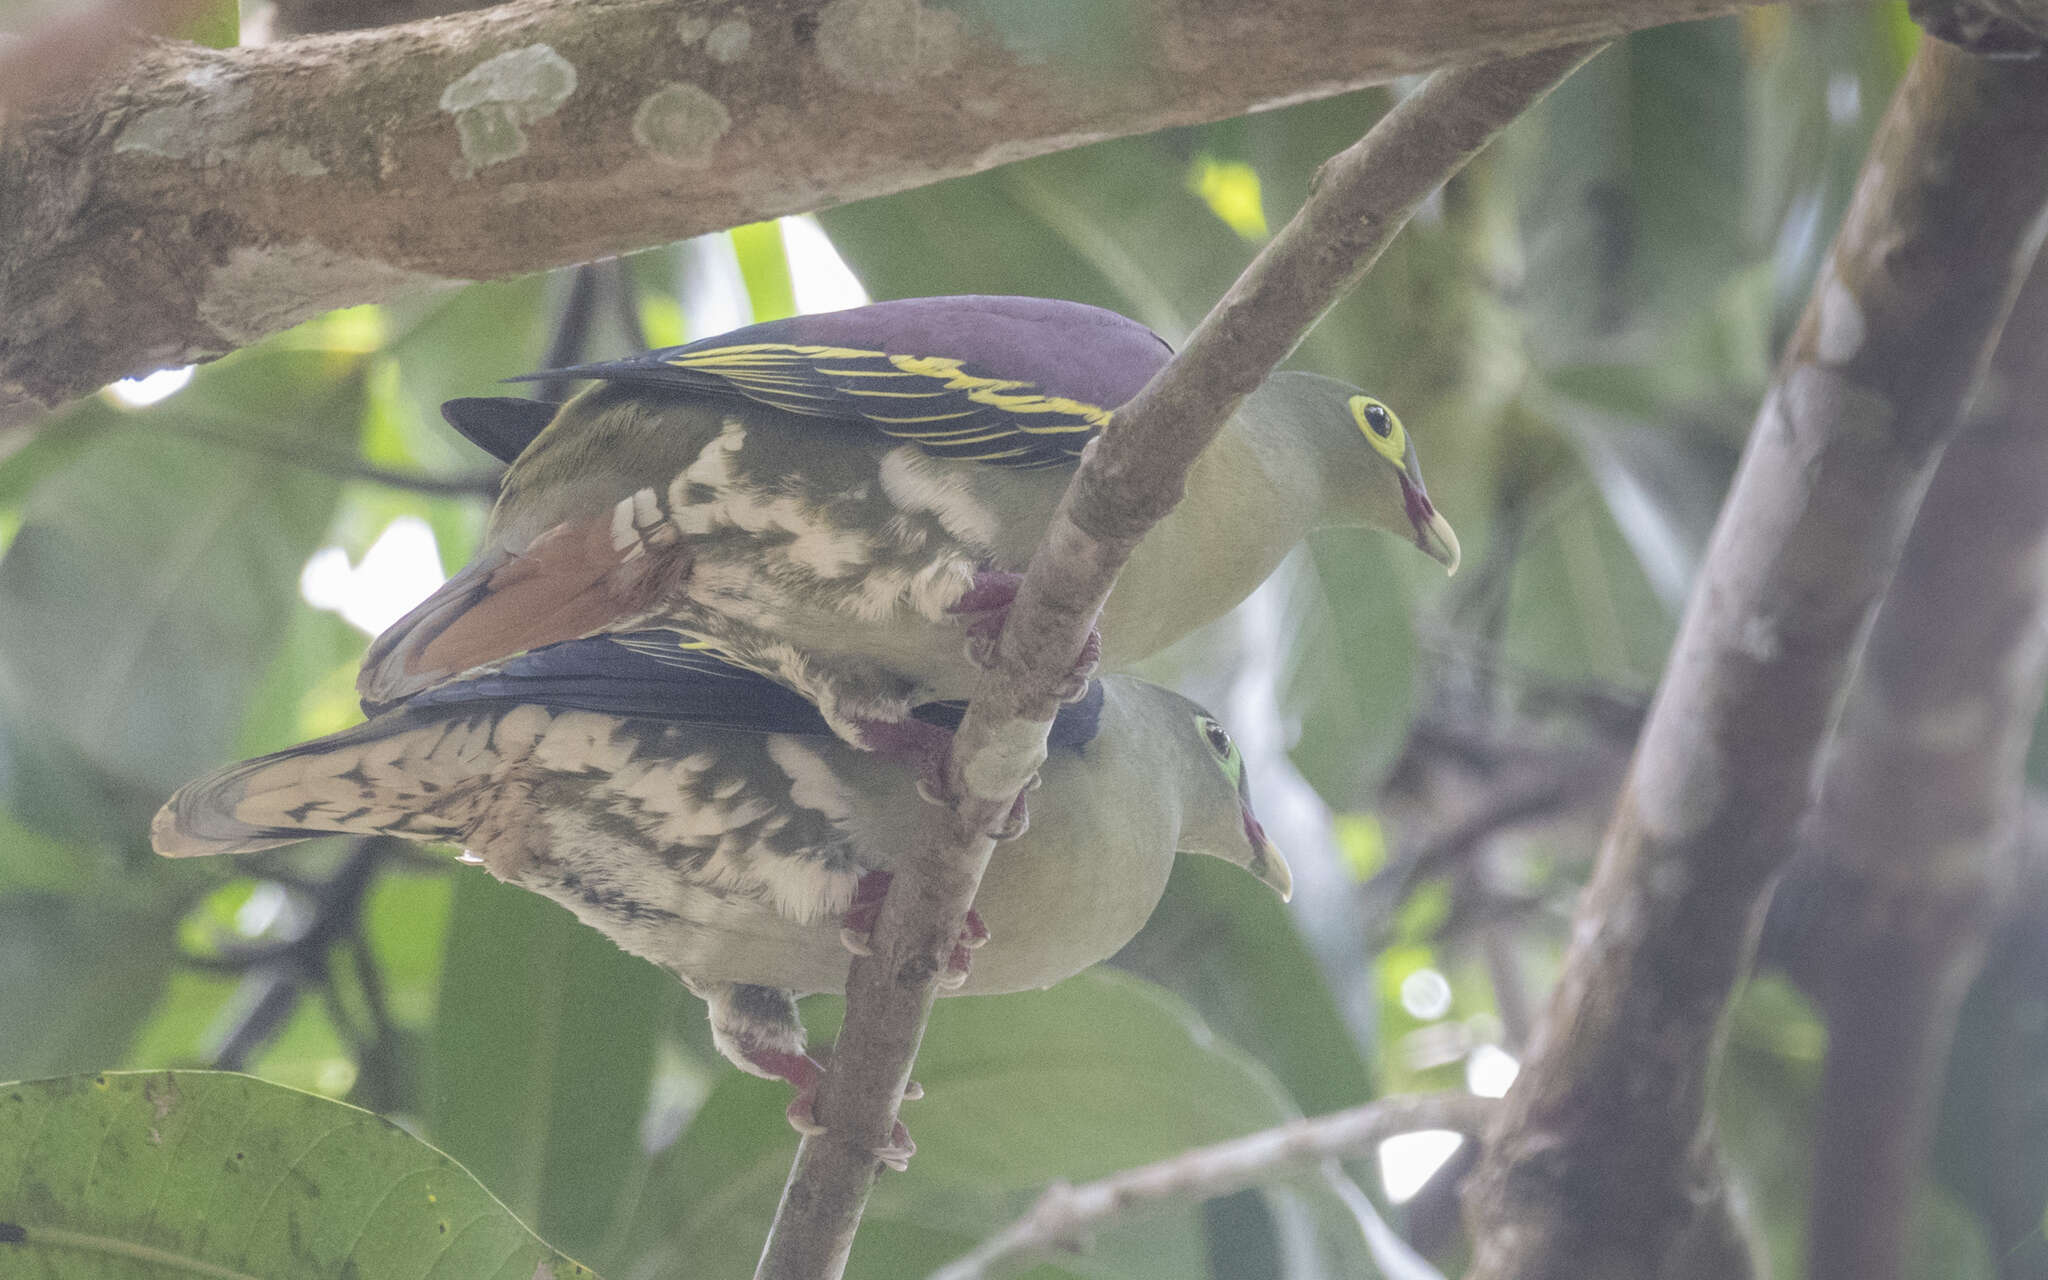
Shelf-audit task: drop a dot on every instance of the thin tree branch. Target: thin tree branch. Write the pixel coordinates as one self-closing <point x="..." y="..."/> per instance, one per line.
<point x="1065" y="1215"/>
<point x="477" y="484"/>
<point x="276" y="973"/>
<point x="1564" y="780"/>
<point x="1129" y="477"/>
<point x="203" y="200"/>
<point x="1594" y="1168"/>
<point x="1911" y="842"/>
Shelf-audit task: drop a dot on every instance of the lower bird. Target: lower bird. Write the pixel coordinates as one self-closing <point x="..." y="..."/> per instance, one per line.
<point x="706" y="818"/>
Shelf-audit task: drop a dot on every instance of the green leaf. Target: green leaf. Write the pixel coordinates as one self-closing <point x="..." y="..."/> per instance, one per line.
<point x="1947" y="1241"/>
<point x="1228" y="947"/>
<point x="764" y="265"/>
<point x="309" y="688"/>
<point x="458" y="344"/>
<point x="139" y="601"/>
<point x="1635" y="200"/>
<point x="1097" y="1074"/>
<point x="212" y="1174"/>
<point x="1581" y="607"/>
<point x="1112" y="224"/>
<point x="540" y="1058"/>
<point x="78" y="975"/>
<point x="1764" y="1099"/>
<point x="218" y="25"/>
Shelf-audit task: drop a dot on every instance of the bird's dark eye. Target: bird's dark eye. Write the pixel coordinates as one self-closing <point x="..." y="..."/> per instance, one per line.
<point x="1219" y="741"/>
<point x="1377" y="417"/>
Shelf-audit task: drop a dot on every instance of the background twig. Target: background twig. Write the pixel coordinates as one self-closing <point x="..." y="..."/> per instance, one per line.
<point x="1065" y="1214"/>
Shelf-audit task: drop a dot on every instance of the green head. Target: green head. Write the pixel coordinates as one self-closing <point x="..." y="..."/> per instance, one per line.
<point x="1216" y="798"/>
<point x="1380" y="484"/>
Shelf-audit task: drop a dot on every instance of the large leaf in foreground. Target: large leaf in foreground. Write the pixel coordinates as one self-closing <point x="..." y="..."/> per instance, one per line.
<point x="202" y="1173"/>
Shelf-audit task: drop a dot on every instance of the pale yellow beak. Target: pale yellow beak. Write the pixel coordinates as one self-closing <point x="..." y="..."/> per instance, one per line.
<point x="1440" y="542"/>
<point x="1268" y="865"/>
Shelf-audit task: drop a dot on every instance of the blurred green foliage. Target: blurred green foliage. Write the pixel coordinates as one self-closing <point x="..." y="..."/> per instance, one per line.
<point x="1577" y="330"/>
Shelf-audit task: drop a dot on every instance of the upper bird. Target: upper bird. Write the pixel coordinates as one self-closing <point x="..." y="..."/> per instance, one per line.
<point x="846" y="501"/>
<point x="703" y="817"/>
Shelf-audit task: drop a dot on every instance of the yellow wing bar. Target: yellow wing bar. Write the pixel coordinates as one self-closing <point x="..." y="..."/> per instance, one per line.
<point x="947" y="408"/>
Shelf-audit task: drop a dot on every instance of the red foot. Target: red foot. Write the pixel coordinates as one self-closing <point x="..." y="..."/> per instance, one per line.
<point x="911" y="742"/>
<point x="857" y="928"/>
<point x="803" y="1071"/>
<point x="993" y="592"/>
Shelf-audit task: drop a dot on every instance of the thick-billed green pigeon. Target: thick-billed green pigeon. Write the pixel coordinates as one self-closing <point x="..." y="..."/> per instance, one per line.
<point x="705" y="817"/>
<point x="846" y="502"/>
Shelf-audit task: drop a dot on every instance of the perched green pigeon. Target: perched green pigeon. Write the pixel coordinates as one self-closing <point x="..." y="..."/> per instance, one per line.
<point x="846" y="501"/>
<point x="704" y="817"/>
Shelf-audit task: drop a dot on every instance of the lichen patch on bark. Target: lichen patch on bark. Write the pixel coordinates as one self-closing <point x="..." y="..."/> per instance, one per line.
<point x="729" y="40"/>
<point x="886" y="44"/>
<point x="216" y="128"/>
<point x="681" y="124"/>
<point x="496" y="99"/>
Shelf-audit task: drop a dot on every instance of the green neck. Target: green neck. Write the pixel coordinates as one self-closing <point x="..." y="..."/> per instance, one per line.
<point x="1250" y="498"/>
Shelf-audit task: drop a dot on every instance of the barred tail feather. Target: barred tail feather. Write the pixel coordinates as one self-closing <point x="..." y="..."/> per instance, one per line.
<point x="419" y="776"/>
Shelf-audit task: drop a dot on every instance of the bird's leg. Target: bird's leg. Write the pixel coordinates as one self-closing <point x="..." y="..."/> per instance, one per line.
<point x="804" y="1072"/>
<point x="757" y="1030"/>
<point x="989" y="599"/>
<point x="923" y="748"/>
<point x="857" y="928"/>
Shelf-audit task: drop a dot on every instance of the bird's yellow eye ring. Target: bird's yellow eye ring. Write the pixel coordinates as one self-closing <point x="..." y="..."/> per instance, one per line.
<point x="1381" y="428"/>
<point x="1226" y="752"/>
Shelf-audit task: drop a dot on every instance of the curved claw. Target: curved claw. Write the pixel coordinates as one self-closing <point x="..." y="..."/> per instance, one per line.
<point x="802" y="1116"/>
<point x="961" y="958"/>
<point x="897" y="1154"/>
<point x="974" y="934"/>
<point x="1075" y="686"/>
<point x="802" y="1113"/>
<point x="1015" y="823"/>
<point x="981" y="649"/>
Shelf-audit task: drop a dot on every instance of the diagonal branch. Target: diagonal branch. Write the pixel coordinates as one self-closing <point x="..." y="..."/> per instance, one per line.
<point x="1065" y="1214"/>
<point x="1910" y="848"/>
<point x="1130" y="476"/>
<point x="202" y="200"/>
<point x="1594" y="1167"/>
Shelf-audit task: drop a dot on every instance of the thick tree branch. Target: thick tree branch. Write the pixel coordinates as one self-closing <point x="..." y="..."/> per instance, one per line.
<point x="1128" y="478"/>
<point x="205" y="199"/>
<point x="1588" y="1174"/>
<point x="1911" y="845"/>
<point x="1065" y="1214"/>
